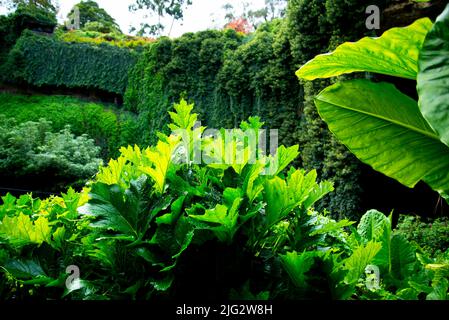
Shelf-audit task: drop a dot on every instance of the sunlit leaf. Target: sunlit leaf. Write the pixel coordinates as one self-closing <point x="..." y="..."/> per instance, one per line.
<point x="385" y="129"/>
<point x="395" y="53"/>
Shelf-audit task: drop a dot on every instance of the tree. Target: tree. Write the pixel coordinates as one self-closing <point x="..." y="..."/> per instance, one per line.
<point x="172" y="8"/>
<point x="276" y="8"/>
<point x="48" y="5"/>
<point x="273" y="9"/>
<point x="229" y="9"/>
<point x="90" y="12"/>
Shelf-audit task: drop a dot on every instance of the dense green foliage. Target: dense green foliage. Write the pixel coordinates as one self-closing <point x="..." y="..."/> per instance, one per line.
<point x="78" y="65"/>
<point x="185" y="66"/>
<point x="152" y="225"/>
<point x="31" y="151"/>
<point x="34" y="18"/>
<point x="45" y="5"/>
<point x="90" y="15"/>
<point x="231" y="78"/>
<point x="432" y="235"/>
<point x="95" y="37"/>
<point x="109" y="128"/>
<point x="11" y="26"/>
<point x="205" y="217"/>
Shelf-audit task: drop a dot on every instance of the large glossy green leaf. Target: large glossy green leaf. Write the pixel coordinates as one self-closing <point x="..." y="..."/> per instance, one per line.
<point x="385" y="129"/>
<point x="395" y="53"/>
<point x="433" y="77"/>
<point x="25" y="269"/>
<point x="372" y="225"/>
<point x="376" y="226"/>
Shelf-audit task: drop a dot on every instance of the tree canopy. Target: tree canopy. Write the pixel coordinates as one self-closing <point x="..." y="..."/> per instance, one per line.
<point x="49" y="5"/>
<point x="91" y="15"/>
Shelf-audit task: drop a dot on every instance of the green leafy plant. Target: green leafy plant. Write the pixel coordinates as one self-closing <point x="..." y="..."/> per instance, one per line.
<point x="31" y="150"/>
<point x="38" y="238"/>
<point x="429" y="234"/>
<point x="148" y="216"/>
<point x="90" y="35"/>
<point x="389" y="130"/>
<point x="108" y="126"/>
<point x="153" y="223"/>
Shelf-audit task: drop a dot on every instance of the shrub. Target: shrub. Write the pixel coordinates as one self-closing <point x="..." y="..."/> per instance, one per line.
<point x="32" y="18"/>
<point x="109" y="127"/>
<point x="31" y="151"/>
<point x="432" y="235"/>
<point x="97" y="38"/>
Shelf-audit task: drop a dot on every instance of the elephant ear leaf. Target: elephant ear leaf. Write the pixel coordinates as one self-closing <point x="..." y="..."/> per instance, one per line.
<point x="372" y="225"/>
<point x="433" y="77"/>
<point x="395" y="53"/>
<point x="385" y="129"/>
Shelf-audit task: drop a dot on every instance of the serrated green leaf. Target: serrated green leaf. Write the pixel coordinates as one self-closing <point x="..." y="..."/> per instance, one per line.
<point x="250" y="187"/>
<point x="21" y="230"/>
<point x="359" y="260"/>
<point x="117" y="210"/>
<point x="160" y="157"/>
<point x="284" y="156"/>
<point x="276" y="197"/>
<point x="182" y="118"/>
<point x="297" y="265"/>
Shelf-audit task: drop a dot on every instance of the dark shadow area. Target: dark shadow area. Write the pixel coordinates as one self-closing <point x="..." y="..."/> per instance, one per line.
<point x="87" y="94"/>
<point x="41" y="184"/>
<point x="386" y="195"/>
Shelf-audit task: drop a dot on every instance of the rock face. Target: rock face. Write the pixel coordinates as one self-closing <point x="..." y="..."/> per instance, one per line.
<point x="401" y="13"/>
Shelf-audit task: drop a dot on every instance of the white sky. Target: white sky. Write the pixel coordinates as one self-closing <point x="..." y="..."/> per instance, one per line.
<point x="201" y="15"/>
